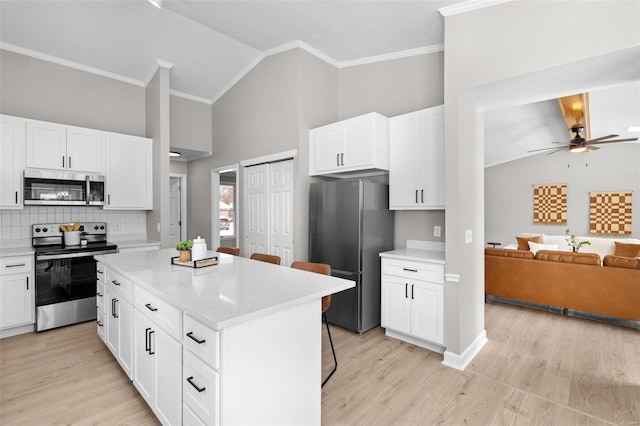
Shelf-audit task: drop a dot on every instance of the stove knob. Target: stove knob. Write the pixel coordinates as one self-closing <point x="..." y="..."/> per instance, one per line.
<point x="95" y="227"/>
<point x="101" y="226"/>
<point x="37" y="230"/>
<point x="44" y="229"/>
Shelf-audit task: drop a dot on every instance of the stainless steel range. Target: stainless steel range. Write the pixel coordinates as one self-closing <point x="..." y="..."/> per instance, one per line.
<point x="66" y="275"/>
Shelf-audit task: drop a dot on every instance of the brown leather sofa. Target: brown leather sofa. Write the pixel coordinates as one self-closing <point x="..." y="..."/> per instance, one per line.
<point x="566" y="280"/>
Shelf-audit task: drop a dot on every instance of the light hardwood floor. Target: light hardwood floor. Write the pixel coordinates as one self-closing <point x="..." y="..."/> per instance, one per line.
<point x="537" y="368"/>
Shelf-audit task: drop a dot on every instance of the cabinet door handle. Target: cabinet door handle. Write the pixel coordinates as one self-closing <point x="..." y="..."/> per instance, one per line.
<point x="109" y="199"/>
<point x="338" y="160"/>
<point x="147" y="346"/>
<point x="150" y="307"/>
<point x="409" y="270"/>
<point x="422" y="195"/>
<point x="69" y="162"/>
<point x="100" y="324"/>
<point x="27" y="283"/>
<point x="63" y="161"/>
<point x="190" y="380"/>
<point x="412" y="286"/>
<point x="114" y="304"/>
<point x="416" y="196"/>
<point x="16" y="197"/>
<point x="15" y="265"/>
<point x="192" y="337"/>
<point x="115" y="282"/>
<point x="406" y="286"/>
<point x="342" y="159"/>
<point x="151" y="351"/>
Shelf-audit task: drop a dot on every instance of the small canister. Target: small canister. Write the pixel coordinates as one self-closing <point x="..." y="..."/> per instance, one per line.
<point x="199" y="249"/>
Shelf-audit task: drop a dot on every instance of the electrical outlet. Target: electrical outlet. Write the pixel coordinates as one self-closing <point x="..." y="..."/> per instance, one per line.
<point x="158" y="226"/>
<point x="468" y="237"/>
<point x="437" y="231"/>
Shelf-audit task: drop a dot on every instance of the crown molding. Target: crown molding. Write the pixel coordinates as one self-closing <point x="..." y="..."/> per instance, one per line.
<point x="394" y="55"/>
<point x="468" y="6"/>
<point x="69" y="64"/>
<point x="190" y="97"/>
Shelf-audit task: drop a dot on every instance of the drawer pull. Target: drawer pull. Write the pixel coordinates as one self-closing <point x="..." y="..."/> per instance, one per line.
<point x="409" y="270"/>
<point x="99" y="294"/>
<point x="100" y="324"/>
<point x="190" y="380"/>
<point x="191" y="336"/>
<point x="151" y="308"/>
<point x="99" y="271"/>
<point x="16" y="265"/>
<point x="115" y="282"/>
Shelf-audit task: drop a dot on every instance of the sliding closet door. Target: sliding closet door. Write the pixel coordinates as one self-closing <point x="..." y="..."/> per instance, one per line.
<point x="256" y="191"/>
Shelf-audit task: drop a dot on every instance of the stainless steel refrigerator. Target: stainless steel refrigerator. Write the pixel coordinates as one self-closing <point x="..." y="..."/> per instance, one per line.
<point x="349" y="225"/>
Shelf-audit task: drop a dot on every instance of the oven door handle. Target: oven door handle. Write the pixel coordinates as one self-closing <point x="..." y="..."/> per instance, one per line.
<point x="73" y="255"/>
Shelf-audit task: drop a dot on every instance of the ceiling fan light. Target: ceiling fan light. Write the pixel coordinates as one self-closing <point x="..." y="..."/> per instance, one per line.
<point x="174" y="154"/>
<point x="634" y="129"/>
<point x="578" y="148"/>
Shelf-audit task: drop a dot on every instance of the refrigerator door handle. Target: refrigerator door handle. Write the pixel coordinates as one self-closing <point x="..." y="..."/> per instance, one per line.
<point x="348" y="275"/>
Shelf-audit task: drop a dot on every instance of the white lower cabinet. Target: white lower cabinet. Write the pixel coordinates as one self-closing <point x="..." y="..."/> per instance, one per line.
<point x="413" y="302"/>
<point x="119" y="322"/>
<point x="157" y="369"/>
<point x="17" y="302"/>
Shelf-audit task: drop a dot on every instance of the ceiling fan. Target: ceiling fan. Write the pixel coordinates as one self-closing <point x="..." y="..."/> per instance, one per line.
<point x="580" y="144"/>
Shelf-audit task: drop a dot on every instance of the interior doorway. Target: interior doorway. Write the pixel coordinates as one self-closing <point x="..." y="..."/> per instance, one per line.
<point x="177" y="208"/>
<point x="224" y="207"/>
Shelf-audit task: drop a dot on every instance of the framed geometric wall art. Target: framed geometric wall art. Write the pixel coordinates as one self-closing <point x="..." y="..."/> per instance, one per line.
<point x="550" y="203"/>
<point x="610" y="212"/>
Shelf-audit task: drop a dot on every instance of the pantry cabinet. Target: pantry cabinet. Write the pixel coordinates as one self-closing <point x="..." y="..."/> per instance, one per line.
<point x="129" y="173"/>
<point x="412" y="301"/>
<point x="17" y="302"/>
<point x="350" y="146"/>
<point x="59" y="147"/>
<point x="12" y="133"/>
<point x="417" y="160"/>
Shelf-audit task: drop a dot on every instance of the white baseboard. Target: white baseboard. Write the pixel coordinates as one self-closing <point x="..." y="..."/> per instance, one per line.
<point x="460" y="362"/>
<point x="415" y="341"/>
<point x="8" y="332"/>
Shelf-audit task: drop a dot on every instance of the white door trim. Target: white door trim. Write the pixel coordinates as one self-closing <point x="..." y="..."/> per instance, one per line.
<point x="183" y="203"/>
<point x="271" y="158"/>
<point x="215" y="205"/>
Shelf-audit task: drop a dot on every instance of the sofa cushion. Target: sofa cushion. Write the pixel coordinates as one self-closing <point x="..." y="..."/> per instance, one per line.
<point x="535" y="247"/>
<point x="523" y="242"/>
<point x="621" y="262"/>
<point x="627" y="250"/>
<point x="559" y="240"/>
<point x="568" y="257"/>
<point x="520" y="254"/>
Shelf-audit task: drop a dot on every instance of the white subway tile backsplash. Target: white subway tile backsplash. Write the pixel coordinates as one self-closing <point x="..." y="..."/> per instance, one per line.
<point x="16" y="224"/>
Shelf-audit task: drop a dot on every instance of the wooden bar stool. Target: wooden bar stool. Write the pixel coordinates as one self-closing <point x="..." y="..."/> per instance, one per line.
<point x="321" y="268"/>
<point x="269" y="258"/>
<point x="229" y="250"/>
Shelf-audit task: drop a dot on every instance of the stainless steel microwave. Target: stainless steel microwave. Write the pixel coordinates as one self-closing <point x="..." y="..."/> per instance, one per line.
<point x="62" y="188"/>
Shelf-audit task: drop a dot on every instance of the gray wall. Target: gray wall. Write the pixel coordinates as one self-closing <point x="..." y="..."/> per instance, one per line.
<point x="484" y="63"/>
<point x="41" y="90"/>
<point x="509" y="189"/>
<point x="190" y="124"/>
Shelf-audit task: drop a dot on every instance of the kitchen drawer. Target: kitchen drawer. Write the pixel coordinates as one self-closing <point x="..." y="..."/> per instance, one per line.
<point x="161" y="313"/>
<point x="200" y="388"/>
<point x="202" y="341"/>
<point x="120" y="285"/>
<point x="16" y="265"/>
<point x="100" y="296"/>
<point x="101" y="325"/>
<point x="189" y="418"/>
<point x="432" y="272"/>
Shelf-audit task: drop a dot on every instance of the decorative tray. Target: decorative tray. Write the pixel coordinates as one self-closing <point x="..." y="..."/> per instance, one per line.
<point x="195" y="263"/>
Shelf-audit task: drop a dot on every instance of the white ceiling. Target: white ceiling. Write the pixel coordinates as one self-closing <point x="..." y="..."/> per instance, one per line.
<point x="212" y="44"/>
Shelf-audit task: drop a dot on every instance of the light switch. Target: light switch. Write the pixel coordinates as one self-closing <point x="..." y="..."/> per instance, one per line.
<point x="436" y="231"/>
<point x="468" y="237"/>
<point x="158" y="226"/>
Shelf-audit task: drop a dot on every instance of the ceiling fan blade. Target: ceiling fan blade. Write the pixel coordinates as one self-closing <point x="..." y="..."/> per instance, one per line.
<point x="591" y="148"/>
<point x="613" y="141"/>
<point x="602" y="138"/>
<point x="557" y="150"/>
<point x="546" y="149"/>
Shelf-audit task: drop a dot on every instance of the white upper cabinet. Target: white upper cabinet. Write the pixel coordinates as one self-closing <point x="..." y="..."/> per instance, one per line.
<point x="11" y="161"/>
<point x="417" y="160"/>
<point x="59" y="147"/>
<point x="129" y="173"/>
<point x="350" y="146"/>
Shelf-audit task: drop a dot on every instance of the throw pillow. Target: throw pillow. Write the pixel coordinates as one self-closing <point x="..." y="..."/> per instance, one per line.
<point x="534" y="247"/>
<point x="523" y="242"/>
<point x="627" y="250"/>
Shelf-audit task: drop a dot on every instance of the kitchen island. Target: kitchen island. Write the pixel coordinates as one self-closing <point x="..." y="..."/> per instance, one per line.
<point x="234" y="343"/>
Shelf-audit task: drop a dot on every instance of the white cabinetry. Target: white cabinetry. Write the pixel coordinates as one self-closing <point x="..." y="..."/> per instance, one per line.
<point x="100" y="302"/>
<point x="11" y="161"/>
<point x="413" y="302"/>
<point x="17" y="303"/>
<point x="60" y="147"/>
<point x="129" y="173"/>
<point x="417" y="160"/>
<point x="354" y="145"/>
<point x="118" y="297"/>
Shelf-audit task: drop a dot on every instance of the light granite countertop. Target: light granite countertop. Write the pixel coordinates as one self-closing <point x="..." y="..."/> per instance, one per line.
<point x="21" y="247"/>
<point x="234" y="291"/>
<point x="126" y="244"/>
<point x="420" y="251"/>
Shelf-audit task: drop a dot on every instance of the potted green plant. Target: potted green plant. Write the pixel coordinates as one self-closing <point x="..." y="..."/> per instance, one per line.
<point x="83" y="238"/>
<point x="184" y="247"/>
<point x="571" y="241"/>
